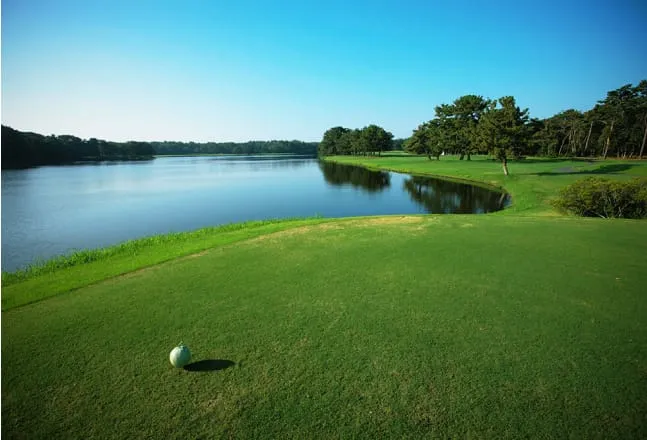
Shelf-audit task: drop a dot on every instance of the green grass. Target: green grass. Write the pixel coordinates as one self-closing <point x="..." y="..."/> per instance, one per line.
<point x="69" y="272"/>
<point x="415" y="327"/>
<point x="519" y="324"/>
<point x="532" y="182"/>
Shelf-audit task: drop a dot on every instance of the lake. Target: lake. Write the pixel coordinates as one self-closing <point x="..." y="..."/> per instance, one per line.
<point x="50" y="211"/>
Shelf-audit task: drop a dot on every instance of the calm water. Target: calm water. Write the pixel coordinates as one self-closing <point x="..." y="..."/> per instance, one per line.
<point x="50" y="211"/>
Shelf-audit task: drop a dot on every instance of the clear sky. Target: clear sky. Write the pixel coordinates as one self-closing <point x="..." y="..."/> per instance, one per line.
<point x="239" y="70"/>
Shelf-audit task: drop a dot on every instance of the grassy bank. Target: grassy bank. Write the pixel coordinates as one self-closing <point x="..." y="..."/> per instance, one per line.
<point x="396" y="327"/>
<point x="69" y="272"/>
<point x="533" y="182"/>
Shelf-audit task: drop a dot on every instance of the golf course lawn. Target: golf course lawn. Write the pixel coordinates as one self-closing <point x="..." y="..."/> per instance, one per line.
<point x="533" y="182"/>
<point x="519" y="324"/>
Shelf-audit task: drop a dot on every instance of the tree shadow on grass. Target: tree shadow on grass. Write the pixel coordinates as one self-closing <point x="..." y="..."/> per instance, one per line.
<point x="554" y="159"/>
<point x="604" y="169"/>
<point x="209" y="365"/>
<point x="394" y="154"/>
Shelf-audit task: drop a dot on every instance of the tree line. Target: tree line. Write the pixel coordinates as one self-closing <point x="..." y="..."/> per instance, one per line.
<point x="472" y="124"/>
<point x="366" y="141"/>
<point x="615" y="126"/>
<point x="26" y="149"/>
<point x="251" y="147"/>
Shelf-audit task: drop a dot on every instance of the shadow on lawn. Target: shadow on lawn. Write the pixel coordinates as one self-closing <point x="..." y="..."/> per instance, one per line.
<point x="210" y="365"/>
<point x="604" y="169"/>
<point x="396" y="155"/>
<point x="554" y="160"/>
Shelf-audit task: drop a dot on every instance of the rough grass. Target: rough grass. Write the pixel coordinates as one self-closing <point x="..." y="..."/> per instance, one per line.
<point x="442" y="326"/>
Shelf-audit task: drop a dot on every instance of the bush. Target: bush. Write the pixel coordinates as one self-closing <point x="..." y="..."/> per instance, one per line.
<point x="598" y="197"/>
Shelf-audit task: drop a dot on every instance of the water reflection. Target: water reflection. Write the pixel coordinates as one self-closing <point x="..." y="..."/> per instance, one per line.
<point x="96" y="163"/>
<point x="446" y="197"/>
<point x="259" y="158"/>
<point x="265" y="164"/>
<point x="370" y="181"/>
<point x="52" y="210"/>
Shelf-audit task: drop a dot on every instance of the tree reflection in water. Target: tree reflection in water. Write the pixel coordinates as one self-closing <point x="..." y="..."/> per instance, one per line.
<point x="439" y="196"/>
<point x="370" y="181"/>
<point x="435" y="196"/>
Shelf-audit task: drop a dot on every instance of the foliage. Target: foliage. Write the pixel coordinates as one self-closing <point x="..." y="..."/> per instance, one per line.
<point x="375" y="139"/>
<point x="458" y="122"/>
<point x="344" y="141"/>
<point x="398" y="144"/>
<point x="332" y="143"/>
<point x="503" y="132"/>
<point x="251" y="147"/>
<point x="427" y="139"/>
<point x="23" y="149"/>
<point x="617" y="125"/>
<point x="599" y="197"/>
<point x="473" y="124"/>
<point x="350" y="142"/>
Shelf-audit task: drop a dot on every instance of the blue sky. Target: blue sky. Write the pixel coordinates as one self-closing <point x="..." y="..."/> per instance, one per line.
<point x="242" y="70"/>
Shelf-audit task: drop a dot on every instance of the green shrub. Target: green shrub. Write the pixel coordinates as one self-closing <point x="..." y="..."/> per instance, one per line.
<point x="598" y="197"/>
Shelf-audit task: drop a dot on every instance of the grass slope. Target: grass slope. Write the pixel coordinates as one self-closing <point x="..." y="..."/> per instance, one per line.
<point x="533" y="182"/>
<point x="413" y="327"/>
<point x="69" y="272"/>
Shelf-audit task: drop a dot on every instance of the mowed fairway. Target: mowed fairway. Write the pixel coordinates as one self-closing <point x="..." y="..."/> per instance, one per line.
<point x="396" y="327"/>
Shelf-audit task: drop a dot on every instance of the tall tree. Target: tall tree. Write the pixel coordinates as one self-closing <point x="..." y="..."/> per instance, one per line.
<point x="330" y="144"/>
<point x="349" y="143"/>
<point x="615" y="110"/>
<point x="641" y="113"/>
<point x="503" y="130"/>
<point x="427" y="139"/>
<point x="375" y="139"/>
<point x="459" y="121"/>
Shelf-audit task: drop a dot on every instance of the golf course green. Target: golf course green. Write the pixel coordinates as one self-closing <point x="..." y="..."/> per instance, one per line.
<point x="525" y="323"/>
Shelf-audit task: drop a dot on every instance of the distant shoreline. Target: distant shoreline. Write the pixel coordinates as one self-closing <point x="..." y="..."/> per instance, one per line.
<point x="22" y="150"/>
<point x="234" y="154"/>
